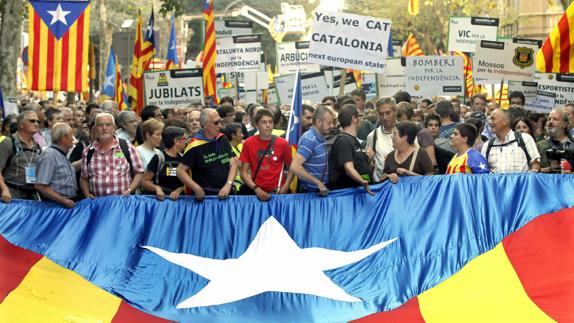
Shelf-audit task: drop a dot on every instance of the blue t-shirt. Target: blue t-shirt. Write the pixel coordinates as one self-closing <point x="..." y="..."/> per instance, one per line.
<point x="312" y="147"/>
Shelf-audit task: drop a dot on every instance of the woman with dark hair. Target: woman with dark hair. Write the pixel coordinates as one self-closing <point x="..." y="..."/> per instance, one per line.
<point x="466" y="160"/>
<point x="234" y="134"/>
<point x="148" y="112"/>
<point x="432" y="123"/>
<point x="407" y="159"/>
<point x="160" y="176"/>
<point x="9" y="125"/>
<point x="523" y="125"/>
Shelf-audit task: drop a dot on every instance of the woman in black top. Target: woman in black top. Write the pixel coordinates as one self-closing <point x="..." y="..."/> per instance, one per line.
<point x="160" y="176"/>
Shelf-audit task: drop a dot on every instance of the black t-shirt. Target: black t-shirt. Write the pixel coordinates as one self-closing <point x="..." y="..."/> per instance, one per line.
<point x="347" y="148"/>
<point x="167" y="178"/>
<point x="209" y="163"/>
<point x="423" y="163"/>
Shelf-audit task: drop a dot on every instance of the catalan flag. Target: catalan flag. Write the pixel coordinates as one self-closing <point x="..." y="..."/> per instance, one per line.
<point x="143" y="53"/>
<point x="58" y="45"/>
<point x="172" y="60"/>
<point x="411" y="47"/>
<point x="467" y="63"/>
<point x="413" y="7"/>
<point x="557" y="52"/>
<point x="209" y="78"/>
<point x="108" y="90"/>
<point x="120" y="94"/>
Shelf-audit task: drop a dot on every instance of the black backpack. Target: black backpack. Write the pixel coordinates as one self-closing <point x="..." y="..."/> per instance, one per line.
<point x="125" y="150"/>
<point x="518" y="139"/>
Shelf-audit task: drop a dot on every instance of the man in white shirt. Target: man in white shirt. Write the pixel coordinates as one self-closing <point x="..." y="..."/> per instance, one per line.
<point x="380" y="140"/>
<point x="507" y="151"/>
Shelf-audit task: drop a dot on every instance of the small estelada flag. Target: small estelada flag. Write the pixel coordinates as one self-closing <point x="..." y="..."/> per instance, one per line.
<point x="59" y="44"/>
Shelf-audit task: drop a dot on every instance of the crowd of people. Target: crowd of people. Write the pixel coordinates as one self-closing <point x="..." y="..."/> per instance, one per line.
<point x="66" y="153"/>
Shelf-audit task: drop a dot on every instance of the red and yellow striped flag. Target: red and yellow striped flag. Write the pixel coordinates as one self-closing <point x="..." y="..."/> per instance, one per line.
<point x="120" y="94"/>
<point x="143" y="53"/>
<point x="467" y="63"/>
<point x="411" y="47"/>
<point x="58" y="45"/>
<point x="209" y="81"/>
<point x="413" y="7"/>
<point x="557" y="52"/>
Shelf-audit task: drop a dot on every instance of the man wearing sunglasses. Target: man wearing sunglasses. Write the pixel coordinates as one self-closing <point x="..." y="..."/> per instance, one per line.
<point x="18" y="157"/>
<point x="209" y="165"/>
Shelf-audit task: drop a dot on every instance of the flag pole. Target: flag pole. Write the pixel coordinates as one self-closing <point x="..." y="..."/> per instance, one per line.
<point x="500" y="94"/>
<point x="290" y="123"/>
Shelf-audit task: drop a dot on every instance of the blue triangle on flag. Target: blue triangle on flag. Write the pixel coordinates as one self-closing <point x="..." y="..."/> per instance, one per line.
<point x="59" y="16"/>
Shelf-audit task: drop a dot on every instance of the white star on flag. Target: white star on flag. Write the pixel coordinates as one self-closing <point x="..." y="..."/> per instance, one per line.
<point x="58" y="15"/>
<point x="482" y="166"/>
<point x="273" y="262"/>
<point x="109" y="82"/>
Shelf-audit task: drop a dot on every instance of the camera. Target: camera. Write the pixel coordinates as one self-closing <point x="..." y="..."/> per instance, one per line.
<point x="559" y="154"/>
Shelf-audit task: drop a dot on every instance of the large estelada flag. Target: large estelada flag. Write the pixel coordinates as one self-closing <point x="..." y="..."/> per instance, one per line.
<point x="411" y="47"/>
<point x="460" y="248"/>
<point x="58" y="45"/>
<point x="557" y="52"/>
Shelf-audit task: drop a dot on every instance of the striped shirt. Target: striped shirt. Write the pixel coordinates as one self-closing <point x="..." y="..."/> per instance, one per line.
<point x="312" y="148"/>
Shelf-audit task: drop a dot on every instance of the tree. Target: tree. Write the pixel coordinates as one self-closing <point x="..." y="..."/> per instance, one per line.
<point x="11" y="13"/>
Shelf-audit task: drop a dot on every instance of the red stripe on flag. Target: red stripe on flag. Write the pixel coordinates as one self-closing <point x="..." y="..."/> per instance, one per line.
<point x="564" y="29"/>
<point x="15" y="263"/>
<point x="548" y="52"/>
<point x="408" y="312"/>
<point x="79" y="52"/>
<point x="542" y="254"/>
<point x="127" y="314"/>
<point x="65" y="61"/>
<point x="37" y="52"/>
<point x="50" y="64"/>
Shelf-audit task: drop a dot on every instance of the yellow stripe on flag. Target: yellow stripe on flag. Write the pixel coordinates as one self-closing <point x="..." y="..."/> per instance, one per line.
<point x="57" y="79"/>
<point x="50" y="293"/>
<point x="487" y="289"/>
<point x="72" y="45"/>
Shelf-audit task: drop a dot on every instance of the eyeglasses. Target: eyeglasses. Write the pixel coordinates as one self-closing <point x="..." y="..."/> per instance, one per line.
<point x="36" y="121"/>
<point x="217" y="122"/>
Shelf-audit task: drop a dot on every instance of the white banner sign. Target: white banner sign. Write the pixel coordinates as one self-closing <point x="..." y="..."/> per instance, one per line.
<point x="226" y="28"/>
<point x="465" y="32"/>
<point x="561" y="84"/>
<point x="293" y="55"/>
<point x="173" y="88"/>
<point x="333" y="77"/>
<point x="349" y="41"/>
<point x="429" y="76"/>
<point x="238" y="54"/>
<point x="527" y="88"/>
<point x="495" y="61"/>
<point x="393" y="79"/>
<point x="272" y="96"/>
<point x="313" y="87"/>
<point x="256" y="81"/>
<point x="544" y="103"/>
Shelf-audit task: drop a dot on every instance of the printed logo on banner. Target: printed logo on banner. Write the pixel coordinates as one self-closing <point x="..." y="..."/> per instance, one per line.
<point x="162" y="80"/>
<point x="523" y="57"/>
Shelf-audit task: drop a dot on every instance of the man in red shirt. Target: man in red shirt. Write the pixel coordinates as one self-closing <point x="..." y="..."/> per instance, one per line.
<point x="266" y="157"/>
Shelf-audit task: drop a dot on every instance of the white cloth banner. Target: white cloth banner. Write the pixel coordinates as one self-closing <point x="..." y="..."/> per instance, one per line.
<point x="349" y="41"/>
<point x="393" y="79"/>
<point x="429" y="76"/>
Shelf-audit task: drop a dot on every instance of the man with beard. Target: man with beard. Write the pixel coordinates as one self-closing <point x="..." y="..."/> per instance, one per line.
<point x="558" y="138"/>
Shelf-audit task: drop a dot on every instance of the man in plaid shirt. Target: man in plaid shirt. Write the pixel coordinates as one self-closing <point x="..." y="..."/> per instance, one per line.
<point x="108" y="171"/>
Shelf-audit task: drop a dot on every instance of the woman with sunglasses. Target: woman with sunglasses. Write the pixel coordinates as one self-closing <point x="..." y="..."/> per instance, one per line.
<point x="160" y="177"/>
<point x="18" y="157"/>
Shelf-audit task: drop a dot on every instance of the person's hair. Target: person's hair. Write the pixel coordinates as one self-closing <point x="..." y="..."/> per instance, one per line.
<point x="166" y="112"/>
<point x="65" y="110"/>
<point x="150" y="126"/>
<point x="409" y="129"/>
<point x="480" y="96"/>
<point x="170" y="135"/>
<point x="109" y="105"/>
<point x="517" y="94"/>
<point x="175" y="123"/>
<point x="308" y="108"/>
<point x="148" y="112"/>
<point x="90" y="107"/>
<point x="7" y="123"/>
<point x="432" y="117"/>
<point x="468" y="131"/>
<point x="277" y="115"/>
<point x="51" y="113"/>
<point x="320" y="112"/>
<point x="239" y="116"/>
<point x="346" y="114"/>
<point x="419" y="113"/>
<point x="59" y="130"/>
<point x="360" y="93"/>
<point x="329" y="98"/>
<point x="230" y="129"/>
<point x="123" y="117"/>
<point x="427" y="101"/>
<point x="444" y="109"/>
<point x="477" y="123"/>
<point x="227" y="100"/>
<point x="387" y="100"/>
<point x="517" y="112"/>
<point x="347" y="100"/>
<point x="402" y="96"/>
<point x="404" y="108"/>
<point x="108" y="115"/>
<point x="525" y="121"/>
<point x="224" y="110"/>
<point x="204" y="116"/>
<point x="263" y="113"/>
<point x="22" y="116"/>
